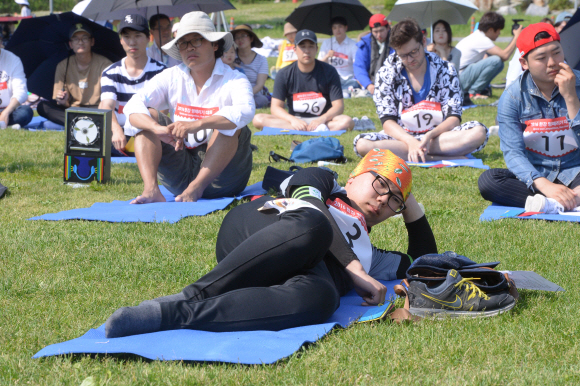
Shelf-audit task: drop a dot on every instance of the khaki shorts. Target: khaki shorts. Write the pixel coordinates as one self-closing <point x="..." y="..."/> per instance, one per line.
<point x="178" y="169"/>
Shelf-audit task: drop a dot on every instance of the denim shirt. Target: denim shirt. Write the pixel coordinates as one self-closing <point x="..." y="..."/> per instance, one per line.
<point x="523" y="101"/>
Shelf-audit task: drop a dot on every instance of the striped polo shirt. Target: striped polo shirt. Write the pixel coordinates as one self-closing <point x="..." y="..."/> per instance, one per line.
<point x="116" y="83"/>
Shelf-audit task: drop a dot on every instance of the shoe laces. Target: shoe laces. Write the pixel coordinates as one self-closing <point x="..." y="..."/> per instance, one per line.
<point x="471" y="288"/>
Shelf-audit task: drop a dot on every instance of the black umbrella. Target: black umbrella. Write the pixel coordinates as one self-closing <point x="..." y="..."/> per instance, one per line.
<point x="568" y="38"/>
<point x="316" y="15"/>
<point x="42" y="42"/>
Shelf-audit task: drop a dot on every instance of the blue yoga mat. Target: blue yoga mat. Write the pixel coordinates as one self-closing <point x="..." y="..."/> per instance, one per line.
<point x="498" y="212"/>
<point x="276" y="131"/>
<point x="246" y="347"/>
<point x="42" y="124"/>
<point x="170" y="211"/>
<point x="472" y="163"/>
<point x="123" y="160"/>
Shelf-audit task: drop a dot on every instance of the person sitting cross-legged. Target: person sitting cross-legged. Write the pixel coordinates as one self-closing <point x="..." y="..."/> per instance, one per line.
<point x="13" y="91"/>
<point x="539" y="130"/>
<point x="312" y="91"/>
<point x="204" y="149"/>
<point x="418" y="99"/>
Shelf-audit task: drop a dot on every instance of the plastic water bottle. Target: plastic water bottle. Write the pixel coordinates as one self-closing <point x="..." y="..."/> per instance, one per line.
<point x="326" y="163"/>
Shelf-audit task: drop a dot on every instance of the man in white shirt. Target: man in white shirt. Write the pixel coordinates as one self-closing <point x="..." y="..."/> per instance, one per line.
<point x="121" y="80"/>
<point x="160" y="27"/>
<point x="210" y="105"/>
<point x="13" y="91"/>
<point x="339" y="51"/>
<point x="481" y="59"/>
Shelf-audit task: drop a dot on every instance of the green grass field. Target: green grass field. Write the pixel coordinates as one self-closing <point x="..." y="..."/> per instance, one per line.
<point x="58" y="279"/>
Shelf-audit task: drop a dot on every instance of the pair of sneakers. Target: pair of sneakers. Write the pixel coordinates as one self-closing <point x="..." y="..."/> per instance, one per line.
<point x="540" y="203"/>
<point x="456" y="297"/>
<point x="363" y="124"/>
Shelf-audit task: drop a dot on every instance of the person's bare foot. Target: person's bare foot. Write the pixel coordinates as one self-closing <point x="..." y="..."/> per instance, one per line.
<point x="189" y="195"/>
<point x="149" y="197"/>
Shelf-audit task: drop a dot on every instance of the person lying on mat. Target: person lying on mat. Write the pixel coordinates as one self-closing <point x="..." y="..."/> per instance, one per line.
<point x="539" y="126"/>
<point x="285" y="262"/>
<point x="77" y="78"/>
<point x="418" y="99"/>
<point x="121" y="80"/>
<point x="204" y="149"/>
<point x="312" y="91"/>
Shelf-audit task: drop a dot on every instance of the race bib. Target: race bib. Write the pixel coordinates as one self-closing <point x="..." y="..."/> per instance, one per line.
<point x="550" y="137"/>
<point x="190" y="114"/>
<point x="339" y="60"/>
<point x="121" y="108"/>
<point x="308" y="103"/>
<point x="422" y="117"/>
<point x="353" y="227"/>
<point x="289" y="55"/>
<point x="4" y="94"/>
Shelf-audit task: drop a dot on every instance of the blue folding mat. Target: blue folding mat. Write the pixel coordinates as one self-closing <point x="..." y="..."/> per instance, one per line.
<point x="170" y="211"/>
<point x="245" y="347"/>
<point x="123" y="160"/>
<point x="498" y="212"/>
<point x="275" y="131"/>
<point x="471" y="162"/>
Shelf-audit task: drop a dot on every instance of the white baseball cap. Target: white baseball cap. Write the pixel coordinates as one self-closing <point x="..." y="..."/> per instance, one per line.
<point x="197" y="22"/>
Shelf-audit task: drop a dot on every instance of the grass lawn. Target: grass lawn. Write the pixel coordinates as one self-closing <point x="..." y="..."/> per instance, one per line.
<point x="58" y="279"/>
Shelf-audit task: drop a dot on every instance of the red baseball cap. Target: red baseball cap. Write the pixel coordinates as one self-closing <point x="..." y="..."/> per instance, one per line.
<point x="378" y="20"/>
<point x="526" y="41"/>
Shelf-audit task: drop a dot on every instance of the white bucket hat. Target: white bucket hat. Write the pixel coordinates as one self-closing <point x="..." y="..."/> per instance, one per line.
<point x="196" y="22"/>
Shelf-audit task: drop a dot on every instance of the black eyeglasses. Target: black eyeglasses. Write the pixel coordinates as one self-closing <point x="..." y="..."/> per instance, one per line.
<point x="381" y="186"/>
<point x="195" y="42"/>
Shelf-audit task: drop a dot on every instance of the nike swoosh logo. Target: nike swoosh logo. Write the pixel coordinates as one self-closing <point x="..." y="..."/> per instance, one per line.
<point x="454" y="304"/>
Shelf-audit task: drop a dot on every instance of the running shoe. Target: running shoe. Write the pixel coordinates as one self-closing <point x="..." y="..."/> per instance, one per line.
<point x="367" y="124"/>
<point x="540" y="203"/>
<point x="456" y="297"/>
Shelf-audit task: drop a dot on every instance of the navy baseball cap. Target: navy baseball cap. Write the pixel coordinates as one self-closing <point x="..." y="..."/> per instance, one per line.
<point x="135" y="22"/>
<point x="78" y="27"/>
<point x="305" y="34"/>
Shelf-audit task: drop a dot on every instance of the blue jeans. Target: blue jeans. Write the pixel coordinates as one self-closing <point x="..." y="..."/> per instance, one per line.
<point x="477" y="76"/>
<point x="22" y="116"/>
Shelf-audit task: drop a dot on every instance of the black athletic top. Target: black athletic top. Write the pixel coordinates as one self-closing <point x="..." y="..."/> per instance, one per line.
<point x="386" y="265"/>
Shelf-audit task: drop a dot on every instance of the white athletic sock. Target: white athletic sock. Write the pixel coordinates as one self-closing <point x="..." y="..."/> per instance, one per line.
<point x="540" y="203"/>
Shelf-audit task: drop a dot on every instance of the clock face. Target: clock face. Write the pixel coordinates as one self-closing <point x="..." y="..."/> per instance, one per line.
<point x="84" y="130"/>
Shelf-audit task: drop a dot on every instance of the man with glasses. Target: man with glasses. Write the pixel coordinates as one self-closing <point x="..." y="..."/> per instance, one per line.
<point x="77" y="78"/>
<point x="160" y="26"/>
<point x="419" y="102"/>
<point x="203" y="149"/>
<point x="123" y="79"/>
<point x="312" y="91"/>
<point x="284" y="263"/>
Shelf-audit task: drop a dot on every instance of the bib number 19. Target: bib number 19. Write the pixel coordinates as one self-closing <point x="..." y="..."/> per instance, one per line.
<point x="425" y="118"/>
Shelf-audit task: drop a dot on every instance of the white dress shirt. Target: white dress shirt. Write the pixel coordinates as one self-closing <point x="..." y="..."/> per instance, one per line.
<point x="227" y="93"/>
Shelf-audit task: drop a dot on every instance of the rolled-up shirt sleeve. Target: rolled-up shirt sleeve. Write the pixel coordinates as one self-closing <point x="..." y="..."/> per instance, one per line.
<point x="154" y="95"/>
<point x="18" y="83"/>
<point x="242" y="110"/>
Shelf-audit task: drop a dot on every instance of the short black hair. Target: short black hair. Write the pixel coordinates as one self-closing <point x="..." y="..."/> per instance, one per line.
<point x="539" y="36"/>
<point x="404" y="31"/>
<point x="147" y="33"/>
<point x="338" y="20"/>
<point x="220" y="51"/>
<point x="155" y="19"/>
<point x="491" y="20"/>
<point x="447" y="29"/>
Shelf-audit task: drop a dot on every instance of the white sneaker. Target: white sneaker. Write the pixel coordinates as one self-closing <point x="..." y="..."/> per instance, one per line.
<point x="322" y="127"/>
<point x="367" y="124"/>
<point x="493" y="130"/>
<point x="539" y="203"/>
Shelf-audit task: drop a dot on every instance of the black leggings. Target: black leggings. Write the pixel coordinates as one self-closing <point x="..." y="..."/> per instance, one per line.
<point x="503" y="187"/>
<point x="270" y="275"/>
